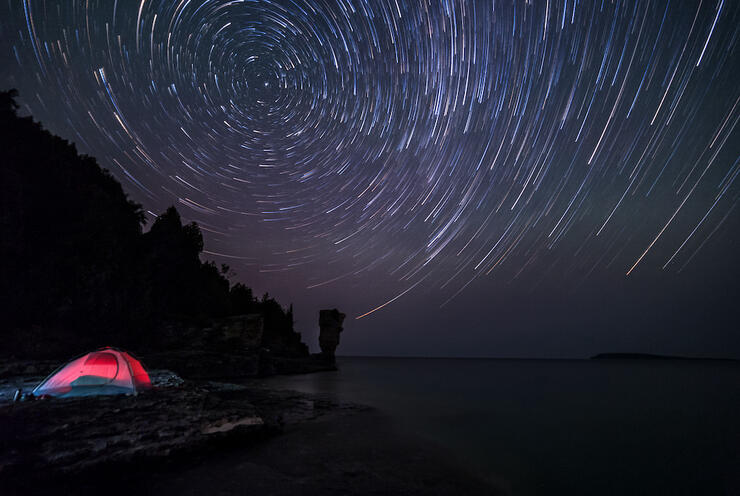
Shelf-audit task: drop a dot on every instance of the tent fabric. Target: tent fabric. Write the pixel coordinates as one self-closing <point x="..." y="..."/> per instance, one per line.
<point x="105" y="371"/>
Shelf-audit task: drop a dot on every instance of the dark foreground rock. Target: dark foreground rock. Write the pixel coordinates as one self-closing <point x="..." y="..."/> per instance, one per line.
<point x="359" y="454"/>
<point x="193" y="438"/>
<point x="44" y="441"/>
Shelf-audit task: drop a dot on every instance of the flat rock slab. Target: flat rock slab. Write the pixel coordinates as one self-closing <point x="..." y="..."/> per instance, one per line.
<point x="360" y="454"/>
<point x="66" y="437"/>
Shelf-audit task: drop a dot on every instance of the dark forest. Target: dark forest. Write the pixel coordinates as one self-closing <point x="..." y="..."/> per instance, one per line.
<point x="83" y="269"/>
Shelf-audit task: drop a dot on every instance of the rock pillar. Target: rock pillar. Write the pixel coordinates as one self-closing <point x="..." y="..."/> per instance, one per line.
<point x="330" y="323"/>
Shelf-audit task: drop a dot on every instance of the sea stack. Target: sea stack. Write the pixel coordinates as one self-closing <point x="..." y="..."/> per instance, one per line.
<point x="330" y="324"/>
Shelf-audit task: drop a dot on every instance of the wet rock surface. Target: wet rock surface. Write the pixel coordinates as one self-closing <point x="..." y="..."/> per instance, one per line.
<point x="359" y="454"/>
<point x="66" y="437"/>
<point x="206" y="437"/>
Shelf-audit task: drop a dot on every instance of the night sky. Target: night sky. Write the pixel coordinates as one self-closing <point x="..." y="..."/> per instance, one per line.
<point x="469" y="178"/>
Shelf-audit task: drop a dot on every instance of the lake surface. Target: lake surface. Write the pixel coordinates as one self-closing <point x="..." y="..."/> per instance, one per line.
<point x="596" y="427"/>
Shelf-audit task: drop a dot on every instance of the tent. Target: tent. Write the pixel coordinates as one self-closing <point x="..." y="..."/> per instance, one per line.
<point x="105" y="371"/>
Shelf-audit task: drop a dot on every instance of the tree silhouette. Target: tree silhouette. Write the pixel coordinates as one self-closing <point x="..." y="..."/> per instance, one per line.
<point x="77" y="268"/>
<point x="68" y="232"/>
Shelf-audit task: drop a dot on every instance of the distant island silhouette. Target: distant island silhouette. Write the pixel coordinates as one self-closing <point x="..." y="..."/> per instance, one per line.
<point x="650" y="356"/>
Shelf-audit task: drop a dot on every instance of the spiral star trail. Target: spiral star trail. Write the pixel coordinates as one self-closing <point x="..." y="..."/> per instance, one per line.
<point x="431" y="144"/>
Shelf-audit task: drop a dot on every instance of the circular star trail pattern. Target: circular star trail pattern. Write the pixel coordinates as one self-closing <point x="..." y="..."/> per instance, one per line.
<point x="432" y="142"/>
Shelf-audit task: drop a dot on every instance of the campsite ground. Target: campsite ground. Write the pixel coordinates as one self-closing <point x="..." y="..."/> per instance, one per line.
<point x="178" y="440"/>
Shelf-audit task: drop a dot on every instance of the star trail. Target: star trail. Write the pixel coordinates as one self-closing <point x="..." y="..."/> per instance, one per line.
<point x="426" y="144"/>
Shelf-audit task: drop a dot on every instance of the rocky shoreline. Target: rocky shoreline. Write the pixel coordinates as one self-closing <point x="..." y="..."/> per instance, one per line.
<point x="196" y="437"/>
<point x="185" y="412"/>
<point x="44" y="440"/>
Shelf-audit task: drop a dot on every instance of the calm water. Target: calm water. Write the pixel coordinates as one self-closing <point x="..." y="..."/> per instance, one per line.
<point x="561" y="426"/>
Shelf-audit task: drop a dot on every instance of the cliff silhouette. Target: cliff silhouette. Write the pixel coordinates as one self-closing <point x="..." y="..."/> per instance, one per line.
<point x="79" y="271"/>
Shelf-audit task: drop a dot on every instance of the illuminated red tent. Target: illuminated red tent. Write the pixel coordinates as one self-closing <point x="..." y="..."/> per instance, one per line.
<point x="105" y="371"/>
